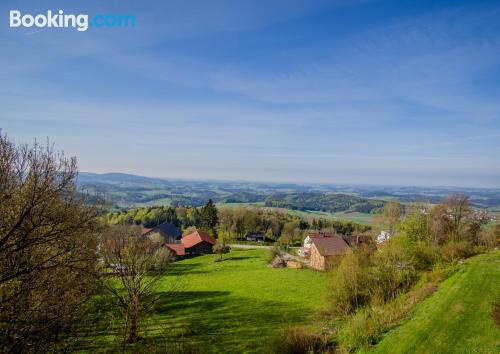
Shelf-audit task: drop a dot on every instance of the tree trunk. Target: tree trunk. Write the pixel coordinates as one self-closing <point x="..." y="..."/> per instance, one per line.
<point x="133" y="337"/>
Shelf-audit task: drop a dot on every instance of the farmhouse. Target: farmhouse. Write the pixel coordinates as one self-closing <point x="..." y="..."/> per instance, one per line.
<point x="257" y="237"/>
<point x="324" y="249"/>
<point x="194" y="243"/>
<point x="169" y="232"/>
<point x="305" y="251"/>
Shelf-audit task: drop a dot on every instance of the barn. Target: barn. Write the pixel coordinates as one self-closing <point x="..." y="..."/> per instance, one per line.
<point x="195" y="243"/>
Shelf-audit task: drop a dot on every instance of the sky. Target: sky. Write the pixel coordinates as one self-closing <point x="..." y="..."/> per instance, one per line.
<point x="361" y="92"/>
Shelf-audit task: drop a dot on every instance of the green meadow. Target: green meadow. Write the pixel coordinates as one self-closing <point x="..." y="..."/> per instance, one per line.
<point x="233" y="306"/>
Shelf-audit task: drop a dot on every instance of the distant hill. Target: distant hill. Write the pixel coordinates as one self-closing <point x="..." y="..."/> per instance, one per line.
<point x="115" y="178"/>
<point x="330" y="202"/>
<point x="128" y="190"/>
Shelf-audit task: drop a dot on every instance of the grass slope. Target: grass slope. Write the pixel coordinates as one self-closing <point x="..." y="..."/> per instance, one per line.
<point x="457" y="318"/>
<point x="233" y="306"/>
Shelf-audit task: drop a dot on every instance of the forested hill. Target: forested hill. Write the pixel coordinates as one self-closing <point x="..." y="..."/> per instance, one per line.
<point x="126" y="190"/>
<point x="331" y="202"/>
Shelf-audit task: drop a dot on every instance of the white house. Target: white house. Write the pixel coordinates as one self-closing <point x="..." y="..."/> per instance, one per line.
<point x="383" y="236"/>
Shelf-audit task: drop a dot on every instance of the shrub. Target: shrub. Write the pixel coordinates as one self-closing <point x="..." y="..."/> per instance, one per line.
<point x="392" y="273"/>
<point x="162" y="257"/>
<point x="361" y="331"/>
<point x="490" y="237"/>
<point x="422" y="256"/>
<point x="274" y="252"/>
<point x="349" y="286"/>
<point x="298" y="340"/>
<point x="455" y="251"/>
<point x="221" y="249"/>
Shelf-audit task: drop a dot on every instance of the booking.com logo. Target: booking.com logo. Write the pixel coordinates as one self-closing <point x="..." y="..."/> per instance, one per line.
<point x="80" y="22"/>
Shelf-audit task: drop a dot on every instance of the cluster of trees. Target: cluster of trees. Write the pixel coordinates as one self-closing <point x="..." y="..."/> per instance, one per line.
<point x="233" y="223"/>
<point x="424" y="239"/>
<point x="55" y="256"/>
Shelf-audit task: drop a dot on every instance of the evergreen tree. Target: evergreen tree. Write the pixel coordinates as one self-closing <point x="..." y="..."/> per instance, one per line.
<point x="209" y="217"/>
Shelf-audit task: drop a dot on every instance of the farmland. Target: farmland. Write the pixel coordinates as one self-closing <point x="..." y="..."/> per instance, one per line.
<point x="236" y="305"/>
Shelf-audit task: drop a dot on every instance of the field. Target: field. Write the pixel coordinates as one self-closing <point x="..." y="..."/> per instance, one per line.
<point x="233" y="306"/>
<point x="457" y="318"/>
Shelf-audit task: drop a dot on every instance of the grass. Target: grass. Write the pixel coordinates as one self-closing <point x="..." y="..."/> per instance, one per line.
<point x="458" y="317"/>
<point x="233" y="306"/>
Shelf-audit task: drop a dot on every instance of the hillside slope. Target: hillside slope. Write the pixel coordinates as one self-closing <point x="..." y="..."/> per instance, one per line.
<point x="457" y="318"/>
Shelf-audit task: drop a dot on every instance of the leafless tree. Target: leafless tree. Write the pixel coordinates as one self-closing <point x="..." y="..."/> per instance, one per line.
<point x="137" y="265"/>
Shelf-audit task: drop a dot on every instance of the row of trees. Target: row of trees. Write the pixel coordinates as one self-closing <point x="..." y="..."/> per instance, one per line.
<point x="234" y="223"/>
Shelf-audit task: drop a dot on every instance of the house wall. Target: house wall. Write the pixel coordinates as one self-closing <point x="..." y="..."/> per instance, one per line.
<point x="200" y="248"/>
<point x="316" y="260"/>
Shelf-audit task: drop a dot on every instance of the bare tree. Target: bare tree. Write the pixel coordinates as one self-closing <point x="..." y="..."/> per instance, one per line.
<point x="458" y="210"/>
<point x="47" y="246"/>
<point x="137" y="264"/>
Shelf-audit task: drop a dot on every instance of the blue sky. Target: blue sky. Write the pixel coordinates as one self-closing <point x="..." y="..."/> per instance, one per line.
<point x="372" y="92"/>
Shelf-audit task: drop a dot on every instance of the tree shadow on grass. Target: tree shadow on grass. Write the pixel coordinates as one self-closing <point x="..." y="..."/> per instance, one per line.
<point x="239" y="258"/>
<point x="185" y="268"/>
<point x="218" y="321"/>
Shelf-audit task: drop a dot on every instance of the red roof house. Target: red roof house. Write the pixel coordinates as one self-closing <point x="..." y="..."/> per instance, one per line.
<point x="195" y="243"/>
<point x="176" y="248"/>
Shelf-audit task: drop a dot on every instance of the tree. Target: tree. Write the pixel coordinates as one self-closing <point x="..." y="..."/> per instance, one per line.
<point x="458" y="210"/>
<point x="290" y="232"/>
<point x="47" y="247"/>
<point x="415" y="225"/>
<point x="225" y="224"/>
<point x="221" y="249"/>
<point x="391" y="216"/>
<point x="209" y="217"/>
<point x="138" y="265"/>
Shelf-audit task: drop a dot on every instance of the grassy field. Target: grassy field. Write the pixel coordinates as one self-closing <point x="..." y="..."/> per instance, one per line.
<point x="457" y="318"/>
<point x="233" y="306"/>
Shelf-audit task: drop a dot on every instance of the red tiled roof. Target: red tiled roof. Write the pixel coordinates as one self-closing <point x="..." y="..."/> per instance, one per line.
<point x="145" y="230"/>
<point x="197" y="237"/>
<point x="177" y="248"/>
<point x="330" y="246"/>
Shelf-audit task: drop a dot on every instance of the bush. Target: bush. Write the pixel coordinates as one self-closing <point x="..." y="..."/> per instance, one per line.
<point x="455" y="251"/>
<point x="274" y="252"/>
<point x="392" y="273"/>
<point x="349" y="286"/>
<point x="299" y="341"/>
<point x="490" y="237"/>
<point x="162" y="258"/>
<point x="361" y="331"/>
<point x="221" y="249"/>
<point x="422" y="256"/>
